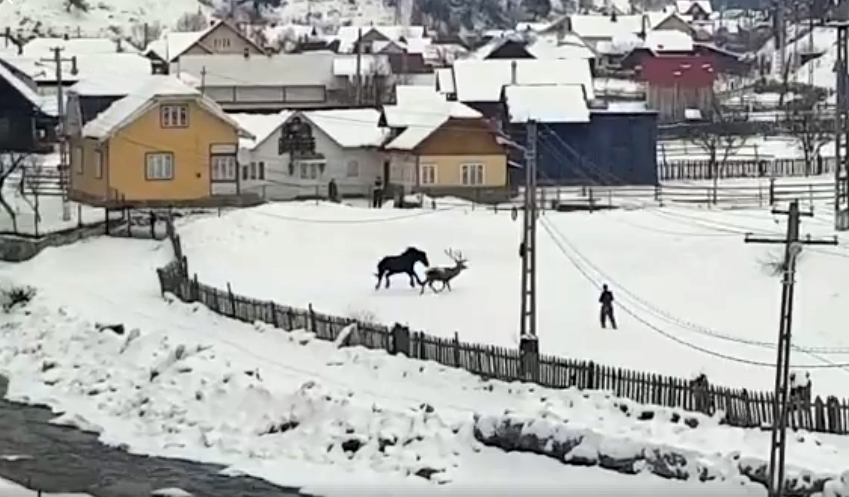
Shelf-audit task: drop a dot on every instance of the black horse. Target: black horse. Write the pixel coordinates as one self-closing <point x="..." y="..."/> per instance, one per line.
<point x="404" y="263"/>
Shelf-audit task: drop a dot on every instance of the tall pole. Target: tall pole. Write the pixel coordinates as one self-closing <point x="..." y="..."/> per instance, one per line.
<point x="792" y="247"/>
<point x="359" y="80"/>
<point x="841" y="130"/>
<point x="64" y="166"/>
<point x="528" y="340"/>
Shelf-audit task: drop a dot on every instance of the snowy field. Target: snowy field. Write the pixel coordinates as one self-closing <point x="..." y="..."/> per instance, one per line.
<point x="280" y="405"/>
<point x="49" y="218"/>
<point x="671" y="269"/>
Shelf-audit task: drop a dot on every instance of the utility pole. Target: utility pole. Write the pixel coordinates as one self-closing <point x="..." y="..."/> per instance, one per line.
<point x="792" y="247"/>
<point x="359" y="80"/>
<point x="528" y="340"/>
<point x="841" y="121"/>
<point x="203" y="80"/>
<point x="64" y="166"/>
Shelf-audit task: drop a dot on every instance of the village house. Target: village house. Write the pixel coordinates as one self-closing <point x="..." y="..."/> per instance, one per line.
<point x="295" y="154"/>
<point x="24" y="125"/>
<point x="577" y="144"/>
<point x="164" y="145"/>
<point x="478" y="83"/>
<point x="696" y="10"/>
<point x="312" y="80"/>
<point x="443" y="148"/>
<point x="220" y="37"/>
<point x="89" y="97"/>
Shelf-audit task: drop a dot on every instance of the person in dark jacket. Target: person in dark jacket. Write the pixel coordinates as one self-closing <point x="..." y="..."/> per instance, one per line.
<point x="333" y="191"/>
<point x="377" y="194"/>
<point x="606" y="301"/>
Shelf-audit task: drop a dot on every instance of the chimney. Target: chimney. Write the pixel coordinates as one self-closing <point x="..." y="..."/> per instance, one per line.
<point x="74" y="70"/>
<point x="247" y="53"/>
<point x="513" y="73"/>
<point x="645" y="26"/>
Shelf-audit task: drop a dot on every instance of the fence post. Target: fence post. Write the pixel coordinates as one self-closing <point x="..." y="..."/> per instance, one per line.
<point x="529" y="359"/>
<point x="456" y="349"/>
<point x="195" y="289"/>
<point x="161" y="276"/>
<point x="591" y="376"/>
<point x="400" y="340"/>
<point x="232" y="301"/>
<point x="273" y="314"/>
<point x="314" y="328"/>
<point x="772" y="191"/>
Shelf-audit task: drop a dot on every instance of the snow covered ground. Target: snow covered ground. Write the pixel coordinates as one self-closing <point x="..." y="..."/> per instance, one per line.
<point x="49" y="217"/>
<point x="10" y="489"/>
<point x="671" y="269"/>
<point x="181" y="382"/>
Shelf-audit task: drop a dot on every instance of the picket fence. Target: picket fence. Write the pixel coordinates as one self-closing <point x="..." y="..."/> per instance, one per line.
<point x="741" y="407"/>
<point x="685" y="169"/>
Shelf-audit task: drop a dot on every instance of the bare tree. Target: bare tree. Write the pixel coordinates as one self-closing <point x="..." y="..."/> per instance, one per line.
<point x="10" y="162"/>
<point x="191" y="21"/>
<point x="719" y="139"/>
<point x="811" y="128"/>
<point x="377" y="83"/>
<point x="141" y="35"/>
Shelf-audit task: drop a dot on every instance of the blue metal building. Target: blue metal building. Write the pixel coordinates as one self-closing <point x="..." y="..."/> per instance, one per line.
<point x="616" y="147"/>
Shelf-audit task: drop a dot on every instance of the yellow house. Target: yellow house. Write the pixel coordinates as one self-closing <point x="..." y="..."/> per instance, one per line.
<point x="164" y="145"/>
<point x="453" y="156"/>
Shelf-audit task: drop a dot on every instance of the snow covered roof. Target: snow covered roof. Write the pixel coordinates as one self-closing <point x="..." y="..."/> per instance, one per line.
<point x="603" y="26"/>
<point x="348" y="35"/>
<point x="307" y="69"/>
<point x="406" y="95"/>
<point x="129" y="108"/>
<point x="115" y="84"/>
<point x="260" y="126"/>
<point x="346" y="65"/>
<point x="91" y="67"/>
<point x="420" y="113"/>
<point x="43" y="47"/>
<point x="483" y="80"/>
<point x="350" y="128"/>
<point x="684" y="6"/>
<point x="173" y="44"/>
<point x="25" y="91"/>
<point x="547" y="104"/>
<point x="665" y="40"/>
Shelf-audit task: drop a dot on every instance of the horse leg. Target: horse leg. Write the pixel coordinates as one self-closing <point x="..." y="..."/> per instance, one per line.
<point x="387" y="281"/>
<point x="413" y="279"/>
<point x="379" y="279"/>
<point x="423" y="287"/>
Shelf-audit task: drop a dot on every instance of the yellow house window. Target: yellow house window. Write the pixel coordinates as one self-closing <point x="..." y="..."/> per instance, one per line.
<point x="428" y="174"/>
<point x="174" y="116"/>
<point x="98" y="164"/>
<point x="472" y="174"/>
<point x="159" y="166"/>
<point x="224" y="167"/>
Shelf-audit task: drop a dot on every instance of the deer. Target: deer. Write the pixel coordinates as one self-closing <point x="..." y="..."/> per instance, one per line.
<point x="443" y="274"/>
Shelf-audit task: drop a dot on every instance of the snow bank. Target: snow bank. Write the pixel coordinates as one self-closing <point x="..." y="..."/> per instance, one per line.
<point x="584" y="446"/>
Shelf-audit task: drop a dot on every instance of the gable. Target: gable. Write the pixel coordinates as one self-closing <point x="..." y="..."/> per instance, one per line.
<point x="510" y="50"/>
<point x="461" y="137"/>
<point x="224" y="31"/>
<point x="147" y="124"/>
<point x="674" y="22"/>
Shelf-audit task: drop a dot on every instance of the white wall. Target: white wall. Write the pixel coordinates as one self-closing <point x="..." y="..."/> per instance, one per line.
<point x="281" y="184"/>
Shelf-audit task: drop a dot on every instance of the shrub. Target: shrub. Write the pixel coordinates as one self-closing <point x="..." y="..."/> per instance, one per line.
<point x="16" y="296"/>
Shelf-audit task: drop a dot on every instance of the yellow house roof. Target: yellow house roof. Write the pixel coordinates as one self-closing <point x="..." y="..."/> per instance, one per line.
<point x="128" y="109"/>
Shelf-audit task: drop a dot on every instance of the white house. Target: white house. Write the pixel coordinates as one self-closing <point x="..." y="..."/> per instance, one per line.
<point x="346" y="149"/>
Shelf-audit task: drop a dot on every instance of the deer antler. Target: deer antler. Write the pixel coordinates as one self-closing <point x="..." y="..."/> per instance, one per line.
<point x="457" y="256"/>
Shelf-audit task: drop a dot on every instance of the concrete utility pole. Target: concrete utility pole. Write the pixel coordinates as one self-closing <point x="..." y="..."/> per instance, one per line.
<point x="64" y="165"/>
<point x="841" y="124"/>
<point x="528" y="341"/>
<point x="792" y="247"/>
<point x="359" y="81"/>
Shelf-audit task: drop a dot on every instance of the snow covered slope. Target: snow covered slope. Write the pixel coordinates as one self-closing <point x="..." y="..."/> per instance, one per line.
<point x="181" y="382"/>
<point x="695" y="297"/>
<point x="110" y="17"/>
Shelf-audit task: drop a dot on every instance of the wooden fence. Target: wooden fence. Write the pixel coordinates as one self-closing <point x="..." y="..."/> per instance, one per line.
<point x="676" y="169"/>
<point x="741" y="407"/>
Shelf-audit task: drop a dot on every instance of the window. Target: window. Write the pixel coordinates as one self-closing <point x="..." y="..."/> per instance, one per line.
<point x="245" y="174"/>
<point x="311" y="170"/>
<point x="472" y="174"/>
<point x="98" y="164"/>
<point x="224" y="168"/>
<point x="159" y="166"/>
<point x="78" y="159"/>
<point x="353" y="169"/>
<point x="428" y="174"/>
<point x="174" y="116"/>
<point x="260" y="170"/>
<point x="221" y="43"/>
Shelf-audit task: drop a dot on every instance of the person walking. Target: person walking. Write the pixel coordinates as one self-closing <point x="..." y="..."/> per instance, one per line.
<point x="377" y="194"/>
<point x="606" y="301"/>
<point x="333" y="191"/>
